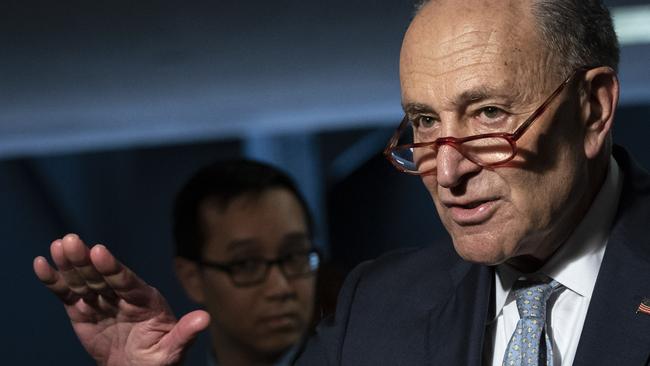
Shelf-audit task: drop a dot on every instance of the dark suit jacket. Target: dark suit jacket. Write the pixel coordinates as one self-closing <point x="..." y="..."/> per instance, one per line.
<point x="429" y="307"/>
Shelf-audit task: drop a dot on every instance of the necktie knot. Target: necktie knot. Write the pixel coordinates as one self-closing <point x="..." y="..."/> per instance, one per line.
<point x="532" y="297"/>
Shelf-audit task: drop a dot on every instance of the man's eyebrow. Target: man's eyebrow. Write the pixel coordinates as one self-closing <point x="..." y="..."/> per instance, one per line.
<point x="473" y="95"/>
<point x="414" y="107"/>
<point x="467" y="97"/>
<point x="295" y="239"/>
<point x="238" y="244"/>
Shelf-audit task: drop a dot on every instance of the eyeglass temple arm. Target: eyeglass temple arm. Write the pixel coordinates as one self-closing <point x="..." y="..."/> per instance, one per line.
<point x="524" y="126"/>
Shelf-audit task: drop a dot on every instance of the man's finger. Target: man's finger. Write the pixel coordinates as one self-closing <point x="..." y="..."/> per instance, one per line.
<point x="75" y="282"/>
<point x="120" y="278"/>
<point x="53" y="281"/>
<point x="78" y="255"/>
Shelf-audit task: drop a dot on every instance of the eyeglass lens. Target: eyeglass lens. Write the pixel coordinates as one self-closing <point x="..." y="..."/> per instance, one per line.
<point x="255" y="271"/>
<point x="484" y="151"/>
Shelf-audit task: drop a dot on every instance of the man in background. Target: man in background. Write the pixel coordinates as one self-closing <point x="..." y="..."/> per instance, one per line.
<point x="243" y="236"/>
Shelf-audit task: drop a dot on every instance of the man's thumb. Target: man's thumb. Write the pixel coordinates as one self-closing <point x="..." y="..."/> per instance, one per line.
<point x="184" y="332"/>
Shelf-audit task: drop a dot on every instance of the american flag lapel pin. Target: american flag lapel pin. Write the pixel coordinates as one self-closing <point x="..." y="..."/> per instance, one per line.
<point x="644" y="306"/>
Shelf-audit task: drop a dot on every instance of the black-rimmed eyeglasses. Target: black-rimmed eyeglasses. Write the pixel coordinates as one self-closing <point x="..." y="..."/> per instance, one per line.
<point x="254" y="271"/>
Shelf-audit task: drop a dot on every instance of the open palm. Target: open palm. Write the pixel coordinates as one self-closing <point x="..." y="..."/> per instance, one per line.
<point x="119" y="319"/>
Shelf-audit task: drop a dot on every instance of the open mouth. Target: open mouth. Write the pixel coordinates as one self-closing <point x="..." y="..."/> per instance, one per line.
<point x="473" y="213"/>
<point x="473" y="204"/>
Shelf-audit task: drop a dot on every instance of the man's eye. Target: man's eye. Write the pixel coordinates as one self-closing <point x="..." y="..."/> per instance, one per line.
<point x="491" y="112"/>
<point x="424" y="122"/>
<point x="296" y="262"/>
<point x="296" y="257"/>
<point x="246" y="265"/>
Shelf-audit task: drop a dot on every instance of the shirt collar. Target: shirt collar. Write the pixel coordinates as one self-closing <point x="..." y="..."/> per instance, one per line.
<point x="576" y="264"/>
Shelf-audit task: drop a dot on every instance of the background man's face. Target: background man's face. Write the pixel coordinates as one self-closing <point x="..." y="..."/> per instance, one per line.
<point x="270" y="317"/>
<point x="459" y="58"/>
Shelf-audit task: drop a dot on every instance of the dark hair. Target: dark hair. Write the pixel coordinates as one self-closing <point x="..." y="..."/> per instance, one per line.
<point x="576" y="32"/>
<point x="224" y="181"/>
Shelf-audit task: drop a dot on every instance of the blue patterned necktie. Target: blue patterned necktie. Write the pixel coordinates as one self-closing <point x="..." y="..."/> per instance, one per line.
<point x="525" y="347"/>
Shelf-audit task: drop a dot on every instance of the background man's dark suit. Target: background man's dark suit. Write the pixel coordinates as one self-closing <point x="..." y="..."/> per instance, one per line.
<point x="429" y="307"/>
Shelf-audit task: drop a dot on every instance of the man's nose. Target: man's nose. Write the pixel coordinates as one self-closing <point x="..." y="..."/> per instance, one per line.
<point x="277" y="285"/>
<point x="452" y="167"/>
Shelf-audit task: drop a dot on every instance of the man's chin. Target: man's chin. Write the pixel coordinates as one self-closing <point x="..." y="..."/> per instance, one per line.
<point x="481" y="252"/>
<point x="277" y="344"/>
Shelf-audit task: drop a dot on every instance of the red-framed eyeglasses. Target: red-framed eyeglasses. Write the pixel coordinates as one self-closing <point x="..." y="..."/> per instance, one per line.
<point x="486" y="150"/>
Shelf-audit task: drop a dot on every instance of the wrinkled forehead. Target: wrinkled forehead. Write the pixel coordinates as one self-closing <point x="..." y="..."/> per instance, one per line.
<point x="456" y="45"/>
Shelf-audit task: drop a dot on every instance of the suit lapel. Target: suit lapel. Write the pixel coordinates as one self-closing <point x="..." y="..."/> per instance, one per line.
<point x="614" y="333"/>
<point x="457" y="326"/>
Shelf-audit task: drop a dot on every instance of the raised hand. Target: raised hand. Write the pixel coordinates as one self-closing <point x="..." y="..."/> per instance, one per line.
<point x="119" y="319"/>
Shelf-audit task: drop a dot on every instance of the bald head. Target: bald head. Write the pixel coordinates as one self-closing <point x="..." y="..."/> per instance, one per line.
<point x="471" y="41"/>
<point x="577" y="32"/>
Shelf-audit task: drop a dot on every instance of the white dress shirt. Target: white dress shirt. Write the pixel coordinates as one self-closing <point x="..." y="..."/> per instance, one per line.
<point x="575" y="266"/>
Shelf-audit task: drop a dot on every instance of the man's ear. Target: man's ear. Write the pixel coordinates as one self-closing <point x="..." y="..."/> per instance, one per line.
<point x="601" y="97"/>
<point x="189" y="273"/>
